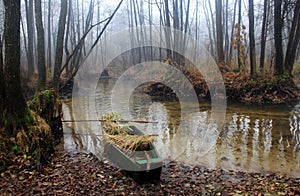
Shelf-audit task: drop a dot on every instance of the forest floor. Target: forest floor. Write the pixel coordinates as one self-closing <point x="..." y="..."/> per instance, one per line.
<point x="85" y="174"/>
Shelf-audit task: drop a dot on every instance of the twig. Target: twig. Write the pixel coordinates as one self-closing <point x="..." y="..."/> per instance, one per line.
<point x="121" y="121"/>
<point x="70" y="133"/>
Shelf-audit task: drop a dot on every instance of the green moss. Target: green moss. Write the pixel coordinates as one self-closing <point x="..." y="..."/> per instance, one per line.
<point x="43" y="102"/>
<point x="285" y="76"/>
<point x="20" y="119"/>
<point x="28" y="118"/>
<point x="253" y="83"/>
<point x="4" y="118"/>
<point x="16" y="149"/>
<point x="27" y="132"/>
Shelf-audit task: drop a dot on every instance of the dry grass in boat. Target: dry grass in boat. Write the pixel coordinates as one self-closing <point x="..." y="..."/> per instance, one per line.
<point x="118" y="134"/>
<point x="132" y="142"/>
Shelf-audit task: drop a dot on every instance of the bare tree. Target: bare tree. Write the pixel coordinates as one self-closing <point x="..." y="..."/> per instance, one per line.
<point x="59" y="43"/>
<point x="278" y="68"/>
<point x="219" y="29"/>
<point x="41" y="45"/>
<point x="252" y="40"/>
<point x="239" y="55"/>
<point x="226" y="36"/>
<point x="212" y="22"/>
<point x="2" y="84"/>
<point x="30" y="36"/>
<point x="167" y="30"/>
<point x="263" y="34"/>
<point x="209" y="28"/>
<point x="232" y="33"/>
<point x="293" y="40"/>
<point x="49" y="37"/>
<point x="78" y="46"/>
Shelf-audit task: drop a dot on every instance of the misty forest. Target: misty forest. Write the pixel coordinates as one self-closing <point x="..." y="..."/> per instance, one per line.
<point x="51" y="51"/>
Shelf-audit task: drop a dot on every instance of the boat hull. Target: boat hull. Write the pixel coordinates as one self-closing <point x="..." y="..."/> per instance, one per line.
<point x="142" y="166"/>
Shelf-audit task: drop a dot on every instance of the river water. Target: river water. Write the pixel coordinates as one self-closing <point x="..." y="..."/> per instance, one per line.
<point x="254" y="137"/>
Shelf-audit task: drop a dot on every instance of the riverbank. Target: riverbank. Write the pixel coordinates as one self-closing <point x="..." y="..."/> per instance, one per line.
<point x="239" y="86"/>
<point x="85" y="174"/>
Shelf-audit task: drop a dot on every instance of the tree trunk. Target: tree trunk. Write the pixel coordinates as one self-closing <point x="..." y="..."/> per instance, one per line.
<point x="232" y="33"/>
<point x="220" y="51"/>
<point x="263" y="36"/>
<point x="212" y="23"/>
<point x="150" y="16"/>
<point x="239" y="56"/>
<point x="226" y="33"/>
<point x="41" y="46"/>
<point x="69" y="16"/>
<point x="167" y="30"/>
<point x="176" y="26"/>
<point x="14" y="104"/>
<point x="59" y="44"/>
<point x="278" y="68"/>
<point x="252" y="40"/>
<point x="49" y="37"/>
<point x="293" y="40"/>
<point x="30" y="34"/>
<point x="183" y="43"/>
<point x="2" y="84"/>
<point x="211" y="40"/>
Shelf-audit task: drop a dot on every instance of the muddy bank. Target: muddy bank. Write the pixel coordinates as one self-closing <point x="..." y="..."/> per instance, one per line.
<point x="262" y="89"/>
<point x="84" y="174"/>
<point x="239" y="87"/>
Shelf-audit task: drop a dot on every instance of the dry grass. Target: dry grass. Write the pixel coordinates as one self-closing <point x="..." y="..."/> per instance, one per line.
<point x="118" y="134"/>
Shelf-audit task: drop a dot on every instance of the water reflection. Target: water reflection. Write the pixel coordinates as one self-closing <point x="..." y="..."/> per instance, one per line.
<point x="263" y="138"/>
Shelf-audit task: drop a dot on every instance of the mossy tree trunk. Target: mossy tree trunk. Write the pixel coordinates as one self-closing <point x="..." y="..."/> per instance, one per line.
<point x="22" y="132"/>
<point x="48" y="106"/>
<point x="15" y="108"/>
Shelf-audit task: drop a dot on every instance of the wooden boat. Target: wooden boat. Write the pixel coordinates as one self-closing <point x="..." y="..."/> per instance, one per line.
<point x="142" y="165"/>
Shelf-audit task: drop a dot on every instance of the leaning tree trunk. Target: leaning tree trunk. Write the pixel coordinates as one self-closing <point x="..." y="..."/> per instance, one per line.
<point x="293" y="40"/>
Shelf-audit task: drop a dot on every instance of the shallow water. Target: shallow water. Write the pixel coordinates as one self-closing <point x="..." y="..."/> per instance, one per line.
<point x="260" y="138"/>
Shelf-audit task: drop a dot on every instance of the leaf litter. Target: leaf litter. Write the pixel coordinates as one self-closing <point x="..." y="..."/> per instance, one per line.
<point x="85" y="174"/>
